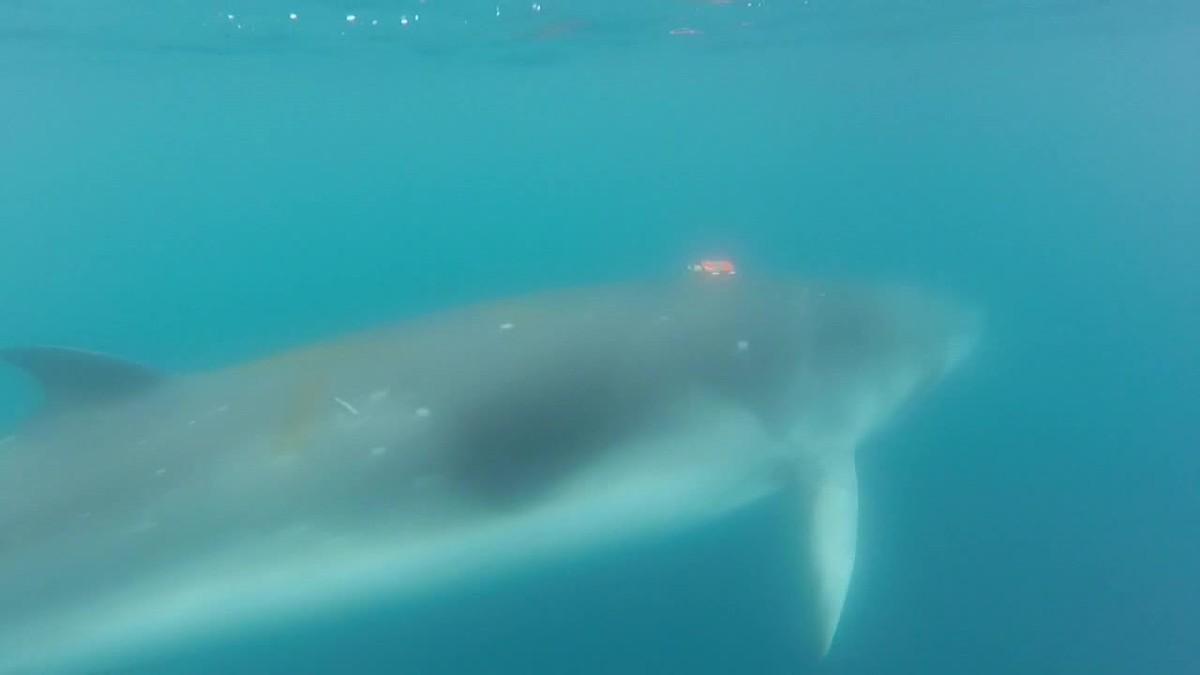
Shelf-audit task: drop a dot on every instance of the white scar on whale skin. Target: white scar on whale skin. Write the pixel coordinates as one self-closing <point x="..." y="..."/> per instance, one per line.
<point x="185" y="509"/>
<point x="346" y="405"/>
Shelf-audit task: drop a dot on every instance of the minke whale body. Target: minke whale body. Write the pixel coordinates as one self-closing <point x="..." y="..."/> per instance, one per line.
<point x="140" y="512"/>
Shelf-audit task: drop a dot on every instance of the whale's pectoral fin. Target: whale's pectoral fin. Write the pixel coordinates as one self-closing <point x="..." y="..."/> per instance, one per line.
<point x="72" y="378"/>
<point x="830" y="508"/>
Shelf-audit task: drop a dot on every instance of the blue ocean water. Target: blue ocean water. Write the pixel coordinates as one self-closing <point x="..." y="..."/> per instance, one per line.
<point x="197" y="183"/>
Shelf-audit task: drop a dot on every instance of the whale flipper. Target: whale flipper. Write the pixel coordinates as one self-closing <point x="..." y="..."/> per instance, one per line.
<point x="832" y="502"/>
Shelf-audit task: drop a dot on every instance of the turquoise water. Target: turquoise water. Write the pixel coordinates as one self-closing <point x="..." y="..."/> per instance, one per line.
<point x="192" y="190"/>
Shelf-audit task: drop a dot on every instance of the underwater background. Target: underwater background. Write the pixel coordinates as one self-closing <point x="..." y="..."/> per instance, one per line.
<point x="193" y="183"/>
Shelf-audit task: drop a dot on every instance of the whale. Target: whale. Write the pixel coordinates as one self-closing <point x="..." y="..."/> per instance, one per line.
<point x="143" y="511"/>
